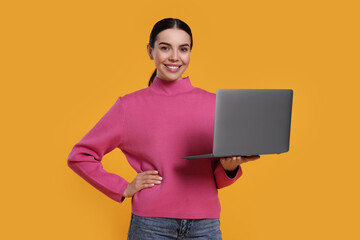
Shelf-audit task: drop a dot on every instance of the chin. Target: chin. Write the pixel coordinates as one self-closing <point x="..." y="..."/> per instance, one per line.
<point x="170" y="78"/>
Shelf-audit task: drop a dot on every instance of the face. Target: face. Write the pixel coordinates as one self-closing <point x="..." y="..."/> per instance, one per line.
<point x="171" y="53"/>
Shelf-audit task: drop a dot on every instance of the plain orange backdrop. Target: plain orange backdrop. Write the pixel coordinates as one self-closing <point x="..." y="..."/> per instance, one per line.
<point x="64" y="63"/>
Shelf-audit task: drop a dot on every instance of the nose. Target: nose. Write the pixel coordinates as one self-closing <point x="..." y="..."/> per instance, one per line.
<point x="173" y="56"/>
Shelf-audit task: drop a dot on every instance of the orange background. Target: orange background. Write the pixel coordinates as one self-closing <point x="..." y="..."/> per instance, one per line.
<point x="64" y="63"/>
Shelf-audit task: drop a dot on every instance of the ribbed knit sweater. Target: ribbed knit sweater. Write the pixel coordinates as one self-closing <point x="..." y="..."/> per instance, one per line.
<point x="154" y="127"/>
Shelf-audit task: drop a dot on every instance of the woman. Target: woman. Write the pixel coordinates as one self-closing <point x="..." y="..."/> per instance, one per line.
<point x="172" y="198"/>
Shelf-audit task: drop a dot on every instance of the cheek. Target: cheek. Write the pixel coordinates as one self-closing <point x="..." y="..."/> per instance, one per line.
<point x="160" y="57"/>
<point x="186" y="58"/>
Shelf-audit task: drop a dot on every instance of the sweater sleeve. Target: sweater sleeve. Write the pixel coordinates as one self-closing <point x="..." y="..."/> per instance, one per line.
<point x="85" y="157"/>
<point x="221" y="178"/>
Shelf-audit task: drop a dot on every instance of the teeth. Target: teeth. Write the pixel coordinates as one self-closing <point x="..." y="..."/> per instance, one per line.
<point x="172" y="67"/>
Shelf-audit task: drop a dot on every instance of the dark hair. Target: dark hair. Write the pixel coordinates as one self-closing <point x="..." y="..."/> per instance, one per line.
<point x="162" y="25"/>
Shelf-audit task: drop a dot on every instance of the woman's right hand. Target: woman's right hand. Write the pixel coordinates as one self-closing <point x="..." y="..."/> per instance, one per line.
<point x="143" y="180"/>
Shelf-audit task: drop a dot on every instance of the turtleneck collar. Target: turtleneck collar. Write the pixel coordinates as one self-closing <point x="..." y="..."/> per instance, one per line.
<point x="171" y="87"/>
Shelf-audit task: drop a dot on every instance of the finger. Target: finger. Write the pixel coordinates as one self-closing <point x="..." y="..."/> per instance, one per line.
<point x="147" y="175"/>
<point x="240" y="159"/>
<point x="147" y="185"/>
<point x="152" y="177"/>
<point x="149" y="172"/>
<point x="237" y="160"/>
<point x="151" y="181"/>
<point x="225" y="162"/>
<point x="230" y="162"/>
<point x="142" y="185"/>
<point x="227" y="159"/>
<point x="234" y="158"/>
<point x="251" y="158"/>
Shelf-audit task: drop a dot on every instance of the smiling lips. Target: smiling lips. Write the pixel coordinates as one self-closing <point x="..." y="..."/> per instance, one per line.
<point x="172" y="67"/>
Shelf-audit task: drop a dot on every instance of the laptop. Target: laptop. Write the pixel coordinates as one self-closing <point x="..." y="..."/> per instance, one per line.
<point x="251" y="122"/>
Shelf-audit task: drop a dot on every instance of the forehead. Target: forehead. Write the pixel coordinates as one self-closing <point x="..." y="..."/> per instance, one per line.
<point x="173" y="36"/>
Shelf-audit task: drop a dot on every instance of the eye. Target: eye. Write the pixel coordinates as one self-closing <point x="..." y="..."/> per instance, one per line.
<point x="184" y="49"/>
<point x="164" y="48"/>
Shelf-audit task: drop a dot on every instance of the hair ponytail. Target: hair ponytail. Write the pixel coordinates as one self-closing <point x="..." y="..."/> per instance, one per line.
<point x="152" y="77"/>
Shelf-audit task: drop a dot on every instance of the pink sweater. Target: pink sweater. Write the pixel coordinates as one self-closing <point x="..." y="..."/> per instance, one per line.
<point x="154" y="127"/>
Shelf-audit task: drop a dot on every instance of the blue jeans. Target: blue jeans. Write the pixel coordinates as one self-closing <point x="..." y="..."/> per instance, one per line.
<point x="146" y="228"/>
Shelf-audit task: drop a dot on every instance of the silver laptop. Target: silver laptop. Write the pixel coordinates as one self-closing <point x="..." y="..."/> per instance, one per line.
<point x="251" y="122"/>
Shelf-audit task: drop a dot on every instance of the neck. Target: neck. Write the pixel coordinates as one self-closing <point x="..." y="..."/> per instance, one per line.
<point x="171" y="87"/>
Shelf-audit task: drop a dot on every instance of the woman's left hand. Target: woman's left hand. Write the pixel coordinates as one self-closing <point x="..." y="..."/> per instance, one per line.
<point x="231" y="163"/>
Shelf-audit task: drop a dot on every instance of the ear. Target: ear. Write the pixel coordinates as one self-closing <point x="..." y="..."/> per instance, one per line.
<point x="150" y="51"/>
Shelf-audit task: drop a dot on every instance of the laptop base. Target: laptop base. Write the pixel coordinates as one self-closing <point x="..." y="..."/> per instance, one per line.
<point x="206" y="156"/>
<point x="200" y="156"/>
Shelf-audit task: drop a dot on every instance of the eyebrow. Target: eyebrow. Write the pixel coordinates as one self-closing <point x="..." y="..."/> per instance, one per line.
<point x="168" y="44"/>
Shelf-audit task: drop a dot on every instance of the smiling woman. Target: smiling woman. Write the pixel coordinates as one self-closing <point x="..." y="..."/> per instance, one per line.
<point x="154" y="127"/>
<point x="170" y="45"/>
